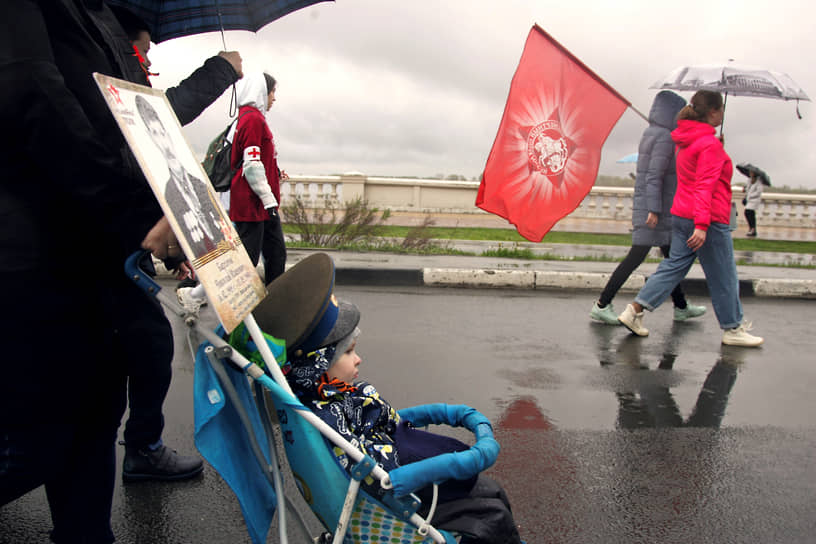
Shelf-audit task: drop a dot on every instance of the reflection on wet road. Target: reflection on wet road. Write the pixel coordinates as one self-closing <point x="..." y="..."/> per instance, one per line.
<point x="607" y="437"/>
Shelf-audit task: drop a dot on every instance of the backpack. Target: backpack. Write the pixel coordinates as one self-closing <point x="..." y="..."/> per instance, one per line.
<point x="217" y="160"/>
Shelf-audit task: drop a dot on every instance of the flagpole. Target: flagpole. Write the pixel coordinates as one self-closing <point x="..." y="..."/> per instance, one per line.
<point x="586" y="68"/>
<point x="634" y="109"/>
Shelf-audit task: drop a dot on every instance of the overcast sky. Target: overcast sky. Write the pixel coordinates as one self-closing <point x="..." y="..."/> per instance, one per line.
<point x="418" y="87"/>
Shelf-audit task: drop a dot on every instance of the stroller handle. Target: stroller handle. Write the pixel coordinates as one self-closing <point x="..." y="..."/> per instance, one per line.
<point x="134" y="270"/>
<point x="458" y="465"/>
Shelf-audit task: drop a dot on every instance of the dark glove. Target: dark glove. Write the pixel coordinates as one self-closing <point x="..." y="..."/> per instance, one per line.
<point x="273" y="212"/>
<point x="744" y="201"/>
<point x="172" y="263"/>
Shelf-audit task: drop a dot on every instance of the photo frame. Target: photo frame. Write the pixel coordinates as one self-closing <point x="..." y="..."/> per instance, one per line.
<point x="204" y="230"/>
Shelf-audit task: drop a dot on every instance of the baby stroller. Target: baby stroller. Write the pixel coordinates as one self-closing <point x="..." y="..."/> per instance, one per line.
<point x="233" y="425"/>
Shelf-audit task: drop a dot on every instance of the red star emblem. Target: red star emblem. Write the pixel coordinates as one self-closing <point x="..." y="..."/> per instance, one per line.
<point x="115" y="92"/>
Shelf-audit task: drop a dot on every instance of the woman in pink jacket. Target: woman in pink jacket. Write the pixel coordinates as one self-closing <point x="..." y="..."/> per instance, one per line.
<point x="700" y="224"/>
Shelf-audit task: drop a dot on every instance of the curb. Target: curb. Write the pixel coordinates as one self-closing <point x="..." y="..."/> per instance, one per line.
<point x="544" y="280"/>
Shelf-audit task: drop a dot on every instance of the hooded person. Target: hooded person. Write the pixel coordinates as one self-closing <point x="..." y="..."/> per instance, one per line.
<point x="255" y="188"/>
<point x="655" y="185"/>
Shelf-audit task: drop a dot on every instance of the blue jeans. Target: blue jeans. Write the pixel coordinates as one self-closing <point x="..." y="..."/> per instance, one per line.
<point x="717" y="259"/>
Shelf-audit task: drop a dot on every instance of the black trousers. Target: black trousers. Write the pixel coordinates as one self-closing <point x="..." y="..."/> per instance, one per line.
<point x="62" y="395"/>
<point x="633" y="259"/>
<point x="77" y="464"/>
<point x="264" y="237"/>
<point x="143" y="331"/>
<point x="750" y="216"/>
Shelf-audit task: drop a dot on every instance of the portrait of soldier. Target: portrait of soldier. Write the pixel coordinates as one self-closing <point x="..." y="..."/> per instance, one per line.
<point x="199" y="219"/>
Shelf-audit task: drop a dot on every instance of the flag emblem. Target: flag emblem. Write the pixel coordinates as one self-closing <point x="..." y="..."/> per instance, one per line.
<point x="548" y="149"/>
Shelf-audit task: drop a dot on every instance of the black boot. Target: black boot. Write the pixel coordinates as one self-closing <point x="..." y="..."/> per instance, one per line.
<point x="159" y="464"/>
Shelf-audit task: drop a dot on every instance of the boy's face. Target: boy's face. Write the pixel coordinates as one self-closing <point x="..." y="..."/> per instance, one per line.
<point x="345" y="367"/>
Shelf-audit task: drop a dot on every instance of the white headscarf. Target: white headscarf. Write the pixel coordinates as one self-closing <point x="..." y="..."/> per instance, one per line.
<point x="251" y="90"/>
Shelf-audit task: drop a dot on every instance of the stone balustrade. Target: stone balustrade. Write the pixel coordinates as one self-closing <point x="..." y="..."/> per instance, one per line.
<point x="445" y="196"/>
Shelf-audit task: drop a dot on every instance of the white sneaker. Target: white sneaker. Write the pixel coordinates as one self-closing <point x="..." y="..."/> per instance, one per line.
<point x="633" y="321"/>
<point x="188" y="300"/>
<point x="740" y="337"/>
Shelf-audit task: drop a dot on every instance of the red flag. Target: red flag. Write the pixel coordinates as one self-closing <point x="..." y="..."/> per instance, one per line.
<point x="546" y="154"/>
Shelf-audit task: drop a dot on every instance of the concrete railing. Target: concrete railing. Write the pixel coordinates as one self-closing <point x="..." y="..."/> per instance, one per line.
<point x="443" y="196"/>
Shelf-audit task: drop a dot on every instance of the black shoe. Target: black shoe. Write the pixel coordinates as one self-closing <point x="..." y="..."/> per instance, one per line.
<point x="160" y="464"/>
<point x="186" y="282"/>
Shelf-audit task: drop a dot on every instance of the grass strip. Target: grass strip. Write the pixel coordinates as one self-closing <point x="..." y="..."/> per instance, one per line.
<point x="576" y="238"/>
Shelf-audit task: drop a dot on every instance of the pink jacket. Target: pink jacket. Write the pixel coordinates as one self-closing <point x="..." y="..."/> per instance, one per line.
<point x="704" y="172"/>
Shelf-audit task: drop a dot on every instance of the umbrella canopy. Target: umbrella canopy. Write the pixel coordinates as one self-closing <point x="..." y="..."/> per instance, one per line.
<point x="175" y="18"/>
<point x="631" y="157"/>
<point x="733" y="79"/>
<point x="747" y="169"/>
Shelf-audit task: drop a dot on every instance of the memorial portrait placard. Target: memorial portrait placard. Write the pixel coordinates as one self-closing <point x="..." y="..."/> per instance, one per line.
<point x="205" y="233"/>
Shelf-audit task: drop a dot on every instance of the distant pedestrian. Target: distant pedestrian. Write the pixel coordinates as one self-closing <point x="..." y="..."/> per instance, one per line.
<point x="655" y="185"/>
<point x="752" y="200"/>
<point x="255" y="189"/>
<point x="700" y="224"/>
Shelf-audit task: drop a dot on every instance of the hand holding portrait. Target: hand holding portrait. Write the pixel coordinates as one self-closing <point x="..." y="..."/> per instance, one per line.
<point x="161" y="241"/>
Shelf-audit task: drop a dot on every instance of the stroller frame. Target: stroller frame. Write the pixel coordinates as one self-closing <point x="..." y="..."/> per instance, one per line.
<point x="275" y="384"/>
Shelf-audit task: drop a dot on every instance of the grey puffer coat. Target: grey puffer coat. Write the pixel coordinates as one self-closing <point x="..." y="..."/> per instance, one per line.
<point x="656" y="179"/>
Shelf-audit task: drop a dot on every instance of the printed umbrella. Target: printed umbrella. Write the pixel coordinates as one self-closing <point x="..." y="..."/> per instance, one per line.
<point x="175" y="18"/>
<point x="747" y="169"/>
<point x="734" y="79"/>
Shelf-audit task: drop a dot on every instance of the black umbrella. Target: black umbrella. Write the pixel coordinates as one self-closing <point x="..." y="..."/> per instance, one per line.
<point x="747" y="169"/>
<point x="183" y="18"/>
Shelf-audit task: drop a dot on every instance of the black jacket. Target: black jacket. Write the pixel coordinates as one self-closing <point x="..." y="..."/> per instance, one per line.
<point x="57" y="129"/>
<point x="73" y="203"/>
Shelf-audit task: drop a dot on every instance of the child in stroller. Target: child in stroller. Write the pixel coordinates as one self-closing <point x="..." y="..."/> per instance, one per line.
<point x="324" y="367"/>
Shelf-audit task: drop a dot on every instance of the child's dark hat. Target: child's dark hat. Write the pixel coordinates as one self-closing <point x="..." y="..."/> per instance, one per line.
<point x="300" y="308"/>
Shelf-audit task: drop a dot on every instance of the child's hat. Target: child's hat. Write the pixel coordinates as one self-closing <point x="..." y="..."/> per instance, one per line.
<point x="301" y="309"/>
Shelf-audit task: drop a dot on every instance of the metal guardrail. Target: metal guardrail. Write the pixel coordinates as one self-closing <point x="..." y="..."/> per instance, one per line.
<point x="457" y="196"/>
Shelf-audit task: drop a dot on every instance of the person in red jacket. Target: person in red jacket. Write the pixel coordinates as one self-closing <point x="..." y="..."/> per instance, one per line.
<point x="255" y="189"/>
<point x="701" y="214"/>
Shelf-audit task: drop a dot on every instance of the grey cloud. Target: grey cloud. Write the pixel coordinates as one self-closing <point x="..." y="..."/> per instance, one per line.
<point x="416" y="88"/>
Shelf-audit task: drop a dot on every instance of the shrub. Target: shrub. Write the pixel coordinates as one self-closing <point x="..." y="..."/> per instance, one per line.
<point x="324" y="227"/>
<point x="354" y="226"/>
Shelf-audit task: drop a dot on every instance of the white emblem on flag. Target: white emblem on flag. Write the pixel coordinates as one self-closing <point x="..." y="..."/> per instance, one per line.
<point x="547" y="148"/>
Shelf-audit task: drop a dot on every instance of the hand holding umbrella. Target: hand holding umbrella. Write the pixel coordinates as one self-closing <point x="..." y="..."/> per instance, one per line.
<point x="747" y="169"/>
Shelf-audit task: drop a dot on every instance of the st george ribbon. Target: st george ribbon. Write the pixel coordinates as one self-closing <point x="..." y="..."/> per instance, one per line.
<point x="546" y="154"/>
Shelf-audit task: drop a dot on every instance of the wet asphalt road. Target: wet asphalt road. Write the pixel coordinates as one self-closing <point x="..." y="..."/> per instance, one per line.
<point x="605" y="437"/>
